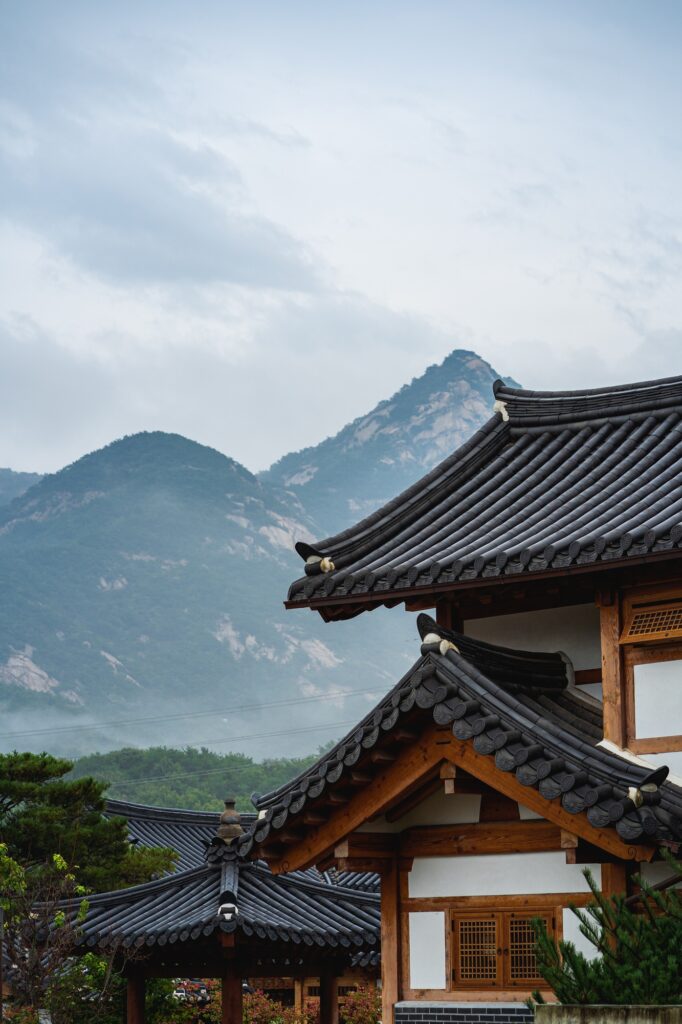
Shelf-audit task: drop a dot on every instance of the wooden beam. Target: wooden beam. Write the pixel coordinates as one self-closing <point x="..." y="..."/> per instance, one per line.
<point x="390" y="941"/>
<point x="329" y="999"/>
<point x="498" y="807"/>
<point x="606" y="838"/>
<point x="493" y="837"/>
<point x="314" y="818"/>
<point x="367" y="844"/>
<point x="135" y="998"/>
<point x="299" y="1002"/>
<point x="446" y="615"/>
<point x="361" y="864"/>
<point x="448" y="773"/>
<point x="569" y="841"/>
<point x="612" y="669"/>
<point x="614" y="879"/>
<point x="409" y="767"/>
<point x="231" y="996"/>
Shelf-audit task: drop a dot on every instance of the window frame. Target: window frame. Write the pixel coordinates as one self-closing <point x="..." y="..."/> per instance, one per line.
<point x="503" y="918"/>
<point x="647" y="654"/>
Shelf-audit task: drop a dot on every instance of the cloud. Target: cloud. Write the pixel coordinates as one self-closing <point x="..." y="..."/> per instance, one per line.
<point x="137" y="206"/>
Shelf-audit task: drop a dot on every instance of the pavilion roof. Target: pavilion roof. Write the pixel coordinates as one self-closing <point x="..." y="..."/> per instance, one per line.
<point x="521" y="710"/>
<point x="189" y="833"/>
<point x="553" y="482"/>
<point x="228" y="894"/>
<point x="186" y="832"/>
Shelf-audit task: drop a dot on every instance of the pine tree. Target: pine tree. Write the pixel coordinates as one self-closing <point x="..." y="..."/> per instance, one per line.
<point x="42" y="813"/>
<point x="638" y="949"/>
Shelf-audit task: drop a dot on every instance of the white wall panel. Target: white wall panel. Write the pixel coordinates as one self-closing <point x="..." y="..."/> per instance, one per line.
<point x="572" y="933"/>
<point x="573" y="630"/>
<point x="497" y="875"/>
<point x="438" y="809"/>
<point x="427" y="949"/>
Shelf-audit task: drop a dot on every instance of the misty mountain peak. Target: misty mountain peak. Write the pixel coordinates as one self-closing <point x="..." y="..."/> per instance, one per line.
<point x="381" y="453"/>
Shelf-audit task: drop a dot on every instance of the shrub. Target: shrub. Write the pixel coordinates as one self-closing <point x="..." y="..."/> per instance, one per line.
<point x="639" y="954"/>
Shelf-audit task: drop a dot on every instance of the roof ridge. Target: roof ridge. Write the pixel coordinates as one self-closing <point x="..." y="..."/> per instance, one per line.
<point x="544" y="408"/>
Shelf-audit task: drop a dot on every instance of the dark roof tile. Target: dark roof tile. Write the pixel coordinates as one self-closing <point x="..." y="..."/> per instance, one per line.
<point x="569" y="479"/>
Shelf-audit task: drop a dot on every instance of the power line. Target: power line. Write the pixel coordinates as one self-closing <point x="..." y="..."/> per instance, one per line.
<point x="228" y="771"/>
<point x="192" y="714"/>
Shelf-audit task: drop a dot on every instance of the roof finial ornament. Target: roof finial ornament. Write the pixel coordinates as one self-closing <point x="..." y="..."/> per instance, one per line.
<point x="230" y="822"/>
<point x="501" y="407"/>
<point x="315" y="561"/>
<point x="648" y="786"/>
<point x="432" y="640"/>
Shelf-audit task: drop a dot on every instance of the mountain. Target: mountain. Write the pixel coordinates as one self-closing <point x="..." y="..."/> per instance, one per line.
<point x="146" y="582"/>
<point x="377" y="456"/>
<point x="142" y="585"/>
<point x="13" y="484"/>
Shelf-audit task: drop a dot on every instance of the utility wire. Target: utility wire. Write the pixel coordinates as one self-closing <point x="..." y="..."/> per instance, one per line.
<point x="225" y="770"/>
<point x="192" y="714"/>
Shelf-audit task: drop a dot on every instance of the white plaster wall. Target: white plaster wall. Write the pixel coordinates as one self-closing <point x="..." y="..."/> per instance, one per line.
<point x="572" y="933"/>
<point x="497" y="875"/>
<point x="673" y="759"/>
<point x="525" y="814"/>
<point x="658" y="872"/>
<point x="438" y="809"/>
<point x="573" y="630"/>
<point x="427" y="949"/>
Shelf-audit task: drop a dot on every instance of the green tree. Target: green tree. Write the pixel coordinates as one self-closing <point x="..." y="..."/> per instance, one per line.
<point x="638" y="955"/>
<point x="42" y="813"/>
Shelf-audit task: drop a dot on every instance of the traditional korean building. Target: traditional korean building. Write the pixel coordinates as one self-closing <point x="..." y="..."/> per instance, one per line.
<point x="534" y="733"/>
<point x="224" y="915"/>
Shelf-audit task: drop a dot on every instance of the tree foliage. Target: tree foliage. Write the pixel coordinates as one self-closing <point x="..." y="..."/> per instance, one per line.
<point x="194" y="778"/>
<point x="638" y="950"/>
<point x="42" y="813"/>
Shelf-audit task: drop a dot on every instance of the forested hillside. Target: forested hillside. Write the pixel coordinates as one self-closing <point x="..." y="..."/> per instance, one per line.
<point x="143" y="585"/>
<point x="196" y="779"/>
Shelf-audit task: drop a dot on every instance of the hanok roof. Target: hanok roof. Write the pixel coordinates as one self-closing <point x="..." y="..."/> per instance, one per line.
<point x="186" y="907"/>
<point x="554" y="482"/>
<point x="186" y="832"/>
<point x="189" y="833"/>
<point x="519" y="709"/>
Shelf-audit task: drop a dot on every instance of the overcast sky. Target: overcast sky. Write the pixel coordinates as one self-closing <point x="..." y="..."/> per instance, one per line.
<point x="249" y="222"/>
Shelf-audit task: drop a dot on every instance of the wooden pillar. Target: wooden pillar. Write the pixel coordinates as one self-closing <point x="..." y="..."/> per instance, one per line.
<point x="612" y="669"/>
<point x="135" y="998"/>
<point x="614" y="879"/>
<point x="299" y="989"/>
<point x="390" y="940"/>
<point x="445" y="614"/>
<point x="329" y="999"/>
<point x="231" y="996"/>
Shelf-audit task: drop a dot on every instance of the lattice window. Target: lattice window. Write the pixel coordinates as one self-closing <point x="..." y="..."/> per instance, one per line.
<point x="522" y="963"/>
<point x="647" y="617"/>
<point x="477" y="949"/>
<point x="496" y="949"/>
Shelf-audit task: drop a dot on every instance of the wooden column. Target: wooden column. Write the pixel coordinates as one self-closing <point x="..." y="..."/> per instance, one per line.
<point x="299" y="989"/>
<point x="612" y="669"/>
<point x="614" y="879"/>
<point x="390" y="940"/>
<point x="329" y="999"/>
<point x="446" y="615"/>
<point x="135" y="998"/>
<point x="231" y="997"/>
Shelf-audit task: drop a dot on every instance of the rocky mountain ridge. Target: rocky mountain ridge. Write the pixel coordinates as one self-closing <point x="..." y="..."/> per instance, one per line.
<point x="143" y="585"/>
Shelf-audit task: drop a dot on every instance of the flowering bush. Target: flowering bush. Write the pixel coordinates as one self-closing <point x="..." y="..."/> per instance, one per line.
<point x="361" y="1007"/>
